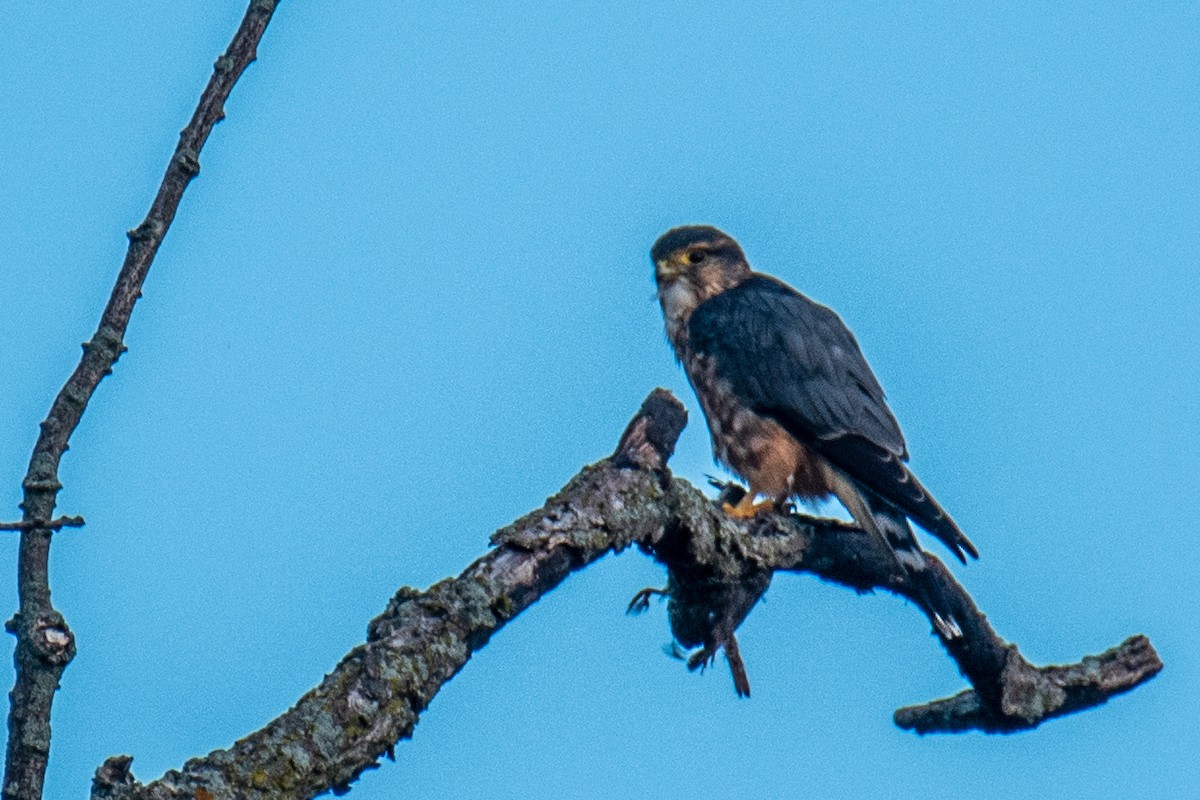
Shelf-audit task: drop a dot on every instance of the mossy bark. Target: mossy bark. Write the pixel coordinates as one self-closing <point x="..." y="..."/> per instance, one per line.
<point x="717" y="566"/>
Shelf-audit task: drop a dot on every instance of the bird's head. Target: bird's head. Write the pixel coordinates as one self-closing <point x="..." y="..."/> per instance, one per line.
<point x="692" y="264"/>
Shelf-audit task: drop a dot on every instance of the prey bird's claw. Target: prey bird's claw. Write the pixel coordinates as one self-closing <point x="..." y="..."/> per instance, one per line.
<point x="701" y="659"/>
<point x="641" y="600"/>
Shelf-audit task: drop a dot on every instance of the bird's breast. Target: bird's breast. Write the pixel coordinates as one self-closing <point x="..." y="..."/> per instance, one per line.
<point x="755" y="447"/>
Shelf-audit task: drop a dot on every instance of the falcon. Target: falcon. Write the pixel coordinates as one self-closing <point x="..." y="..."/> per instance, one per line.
<point x="791" y="404"/>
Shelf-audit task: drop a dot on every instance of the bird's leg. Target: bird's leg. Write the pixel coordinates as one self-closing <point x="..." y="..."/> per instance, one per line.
<point x="641" y="600"/>
<point x="700" y="659"/>
<point x="746" y="507"/>
<point x="705" y="656"/>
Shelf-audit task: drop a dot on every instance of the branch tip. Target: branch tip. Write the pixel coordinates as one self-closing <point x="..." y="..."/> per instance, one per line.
<point x="113" y="777"/>
<point x="1032" y="695"/>
<point x="649" y="440"/>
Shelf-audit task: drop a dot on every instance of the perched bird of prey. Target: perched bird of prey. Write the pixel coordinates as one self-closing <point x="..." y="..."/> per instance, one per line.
<point x="793" y="408"/>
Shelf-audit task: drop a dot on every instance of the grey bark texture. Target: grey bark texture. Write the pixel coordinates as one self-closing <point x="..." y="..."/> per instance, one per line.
<point x="716" y="568"/>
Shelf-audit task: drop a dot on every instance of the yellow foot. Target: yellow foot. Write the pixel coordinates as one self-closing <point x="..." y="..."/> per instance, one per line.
<point x="747" y="508"/>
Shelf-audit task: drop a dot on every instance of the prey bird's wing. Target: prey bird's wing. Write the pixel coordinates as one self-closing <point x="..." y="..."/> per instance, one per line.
<point x="795" y="361"/>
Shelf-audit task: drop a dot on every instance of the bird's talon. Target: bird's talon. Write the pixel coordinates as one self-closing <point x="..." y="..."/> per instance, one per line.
<point x="641" y="600"/>
<point x="747" y="509"/>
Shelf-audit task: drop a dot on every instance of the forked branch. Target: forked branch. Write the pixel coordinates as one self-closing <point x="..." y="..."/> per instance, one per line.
<point x="373" y="698"/>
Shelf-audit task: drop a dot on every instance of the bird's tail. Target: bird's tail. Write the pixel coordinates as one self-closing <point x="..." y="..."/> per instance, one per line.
<point x="893" y="526"/>
<point x="881" y="519"/>
<point x="741" y="683"/>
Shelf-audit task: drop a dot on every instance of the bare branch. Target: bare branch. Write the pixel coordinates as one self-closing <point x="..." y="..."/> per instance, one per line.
<point x="52" y="525"/>
<point x="45" y="645"/>
<point x="1033" y="694"/>
<point x="373" y="698"/>
<point x="717" y="569"/>
<point x="1009" y="693"/>
<point x="649" y="440"/>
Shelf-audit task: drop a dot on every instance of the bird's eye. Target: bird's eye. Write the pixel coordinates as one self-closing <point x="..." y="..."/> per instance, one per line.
<point x="696" y="256"/>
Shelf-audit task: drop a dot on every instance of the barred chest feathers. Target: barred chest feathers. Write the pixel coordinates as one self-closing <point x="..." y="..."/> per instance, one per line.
<point x="754" y="447"/>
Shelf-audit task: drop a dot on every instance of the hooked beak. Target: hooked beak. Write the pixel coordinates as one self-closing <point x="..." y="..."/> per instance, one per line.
<point x="665" y="270"/>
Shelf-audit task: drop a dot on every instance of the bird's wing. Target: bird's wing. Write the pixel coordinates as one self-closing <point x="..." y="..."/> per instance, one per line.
<point x="795" y="361"/>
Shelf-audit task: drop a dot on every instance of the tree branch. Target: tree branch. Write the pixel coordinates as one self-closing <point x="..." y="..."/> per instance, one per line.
<point x="45" y="644"/>
<point x="1032" y="694"/>
<point x="717" y="568"/>
<point x="51" y="525"/>
<point x="373" y="698"/>
<point x="1009" y="694"/>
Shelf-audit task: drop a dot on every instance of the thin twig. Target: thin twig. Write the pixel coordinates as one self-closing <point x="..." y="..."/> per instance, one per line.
<point x="52" y="525"/>
<point x="45" y="645"/>
<point x="373" y="698"/>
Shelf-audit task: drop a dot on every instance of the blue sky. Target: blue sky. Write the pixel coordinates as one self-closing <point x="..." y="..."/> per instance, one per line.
<point x="409" y="296"/>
